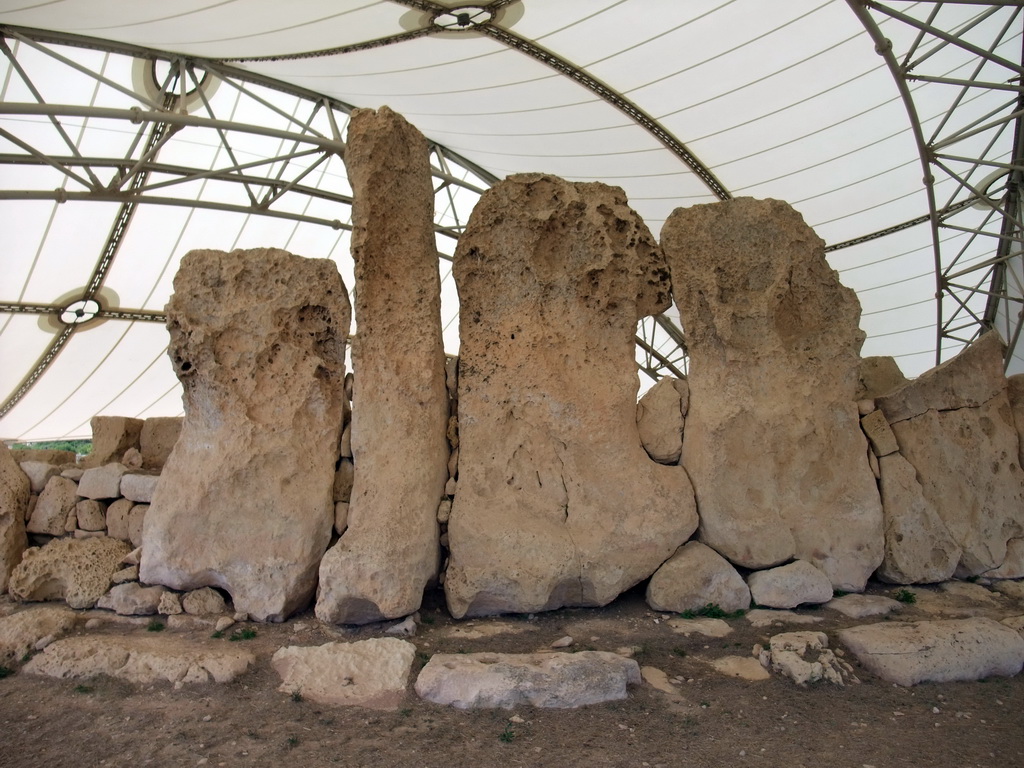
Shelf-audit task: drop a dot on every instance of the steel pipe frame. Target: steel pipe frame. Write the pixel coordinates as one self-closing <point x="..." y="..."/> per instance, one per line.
<point x="961" y="323"/>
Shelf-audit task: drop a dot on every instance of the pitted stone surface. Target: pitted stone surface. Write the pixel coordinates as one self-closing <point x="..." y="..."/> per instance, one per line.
<point x="695" y="576"/>
<point x="244" y="501"/>
<point x="75" y="570"/>
<point x="111" y="437"/>
<point x="390" y="551"/>
<point x="54" y="505"/>
<point x="936" y="651"/>
<point x="143" y="660"/>
<point x="368" y="673"/>
<point x="545" y="680"/>
<point x="27" y="630"/>
<point x="774" y="345"/>
<point x="557" y="503"/>
<point x="955" y="426"/>
<point x="15" y="489"/>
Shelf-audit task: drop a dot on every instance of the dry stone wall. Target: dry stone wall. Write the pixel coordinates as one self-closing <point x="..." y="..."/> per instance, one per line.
<point x="556" y="502"/>
<point x="244" y="503"/>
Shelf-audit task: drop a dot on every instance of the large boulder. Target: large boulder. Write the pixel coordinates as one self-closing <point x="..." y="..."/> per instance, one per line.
<point x="369" y="673"/>
<point x="907" y="653"/>
<point x="75" y="570"/>
<point x="557" y="504"/>
<point x="111" y="437"/>
<point x="15" y="489"/>
<point x="789" y="586"/>
<point x="955" y="426"/>
<point x="508" y="680"/>
<point x="244" y="500"/>
<point x="772" y="442"/>
<point x="390" y="550"/>
<point x="694" y="577"/>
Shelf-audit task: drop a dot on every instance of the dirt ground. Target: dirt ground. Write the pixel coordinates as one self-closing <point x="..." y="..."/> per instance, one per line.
<point x="712" y="721"/>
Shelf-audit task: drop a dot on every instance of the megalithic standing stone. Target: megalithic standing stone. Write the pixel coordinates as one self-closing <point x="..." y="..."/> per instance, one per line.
<point x="557" y="502"/>
<point x="244" y="500"/>
<point x="380" y="566"/>
<point x="772" y="442"/>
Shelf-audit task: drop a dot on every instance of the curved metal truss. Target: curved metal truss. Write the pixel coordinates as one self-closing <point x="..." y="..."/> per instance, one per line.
<point x="170" y="100"/>
<point x="973" y="159"/>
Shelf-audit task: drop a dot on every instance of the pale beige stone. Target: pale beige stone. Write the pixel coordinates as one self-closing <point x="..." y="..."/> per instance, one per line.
<point x="344" y="477"/>
<point x="772" y="441"/>
<point x="879" y="434"/>
<point x="966" y="454"/>
<point x="132" y="458"/>
<point x="170" y="604"/>
<point x="15" y="491"/>
<point x="743" y="667"/>
<point x="694" y="577"/>
<point x="878" y="376"/>
<point x="1012" y="589"/>
<point x="55" y="504"/>
<point x="45" y="455"/>
<point x="919" y="549"/>
<point x="75" y="570"/>
<point x="157" y="439"/>
<point x="132" y="599"/>
<point x="658" y="679"/>
<point x="388" y="554"/>
<point x="136" y="524"/>
<point x="144" y="659"/>
<point x="761" y="617"/>
<point x="789" y="586"/>
<point x="557" y="503"/>
<point x="38" y="472"/>
<point x="25" y="631"/>
<point x="139" y="488"/>
<point x="369" y="673"/>
<point x="703" y="627"/>
<point x="111" y="437"/>
<point x="862" y="606"/>
<point x="341" y="517"/>
<point x="908" y="653"/>
<point x="202" y="602"/>
<point x="244" y="501"/>
<point x="1013" y="563"/>
<point x="131" y="573"/>
<point x="91" y="515"/>
<point x="660" y="419"/>
<point x="543" y="680"/>
<point x="103" y="482"/>
<point x="118" y="517"/>
<point x="804" y="657"/>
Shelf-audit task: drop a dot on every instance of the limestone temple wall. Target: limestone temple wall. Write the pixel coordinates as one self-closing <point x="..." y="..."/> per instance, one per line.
<point x="524" y="476"/>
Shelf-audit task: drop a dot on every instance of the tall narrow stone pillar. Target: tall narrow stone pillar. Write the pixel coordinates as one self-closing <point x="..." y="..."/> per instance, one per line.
<point x="244" y="500"/>
<point x="557" y="503"/>
<point x="772" y="442"/>
<point x="380" y="566"/>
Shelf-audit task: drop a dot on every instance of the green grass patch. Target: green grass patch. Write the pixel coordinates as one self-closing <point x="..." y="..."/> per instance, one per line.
<point x="905" y="596"/>
<point x="155" y="625"/>
<point x="242" y="634"/>
<point x="5" y="672"/>
<point x="712" y="611"/>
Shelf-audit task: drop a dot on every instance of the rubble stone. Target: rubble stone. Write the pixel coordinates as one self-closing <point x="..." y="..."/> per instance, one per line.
<point x="111" y="437"/>
<point x="695" y="576"/>
<point x="139" y="488"/>
<point x="132" y="599"/>
<point x="75" y="570"/>
<point x="39" y="473"/>
<point x="660" y="418"/>
<point x="91" y="515"/>
<point x="157" y="439"/>
<point x="55" y="504"/>
<point x="15" y="490"/>
<point x="789" y="586"/>
<point x="102" y="482"/>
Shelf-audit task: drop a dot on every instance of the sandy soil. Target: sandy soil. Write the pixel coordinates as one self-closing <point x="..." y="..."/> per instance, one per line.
<point x="712" y="720"/>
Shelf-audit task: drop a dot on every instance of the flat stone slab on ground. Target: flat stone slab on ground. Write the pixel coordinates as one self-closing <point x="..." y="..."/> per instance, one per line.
<point x="24" y="631"/>
<point x="507" y="680"/>
<point x="936" y="651"/>
<point x="761" y="617"/>
<point x="142" y="660"/>
<point x="705" y="627"/>
<point x="743" y="667"/>
<point x="862" y="606"/>
<point x="368" y="673"/>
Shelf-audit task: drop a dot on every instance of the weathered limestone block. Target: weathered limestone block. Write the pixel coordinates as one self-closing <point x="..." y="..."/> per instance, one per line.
<point x="111" y="437"/>
<point x="202" y="602"/>
<point x="39" y="473"/>
<point x="1013" y="563"/>
<point x="32" y="628"/>
<point x="557" y="504"/>
<point x="772" y="441"/>
<point x="390" y="551"/>
<point x="1015" y="392"/>
<point x="936" y="651"/>
<point x="919" y="548"/>
<point x="132" y="599"/>
<point x="368" y="673"/>
<point x="508" y="680"/>
<point x="878" y="376"/>
<point x="45" y="455"/>
<point x="55" y="504"/>
<point x="139" y="488"/>
<point x="244" y="500"/>
<point x="955" y="426"/>
<point x="102" y="482"/>
<point x="695" y="576"/>
<point x="344" y="477"/>
<point x="136" y="524"/>
<point x="660" y="418"/>
<point x="75" y="570"/>
<point x="879" y="434"/>
<point x="789" y="586"/>
<point x="91" y="515"/>
<point x="15" y="489"/>
<point x="143" y="660"/>
<point x="804" y="657"/>
<point x="118" y="515"/>
<point x="157" y="439"/>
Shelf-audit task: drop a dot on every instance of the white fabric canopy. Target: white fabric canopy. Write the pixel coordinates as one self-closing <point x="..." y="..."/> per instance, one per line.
<point x="679" y="103"/>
